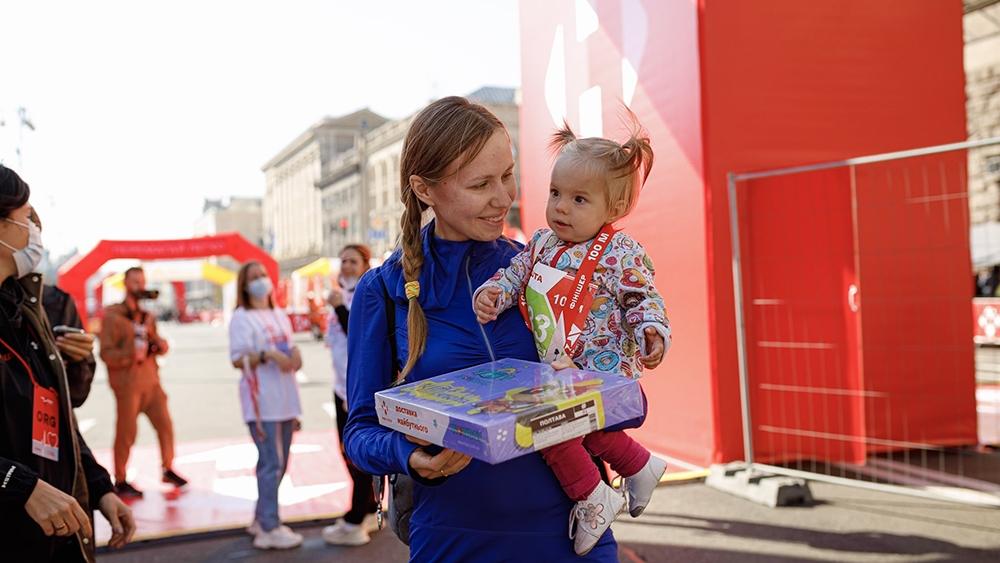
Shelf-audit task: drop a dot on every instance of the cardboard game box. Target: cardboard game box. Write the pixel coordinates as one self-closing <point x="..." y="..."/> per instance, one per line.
<point x="505" y="409"/>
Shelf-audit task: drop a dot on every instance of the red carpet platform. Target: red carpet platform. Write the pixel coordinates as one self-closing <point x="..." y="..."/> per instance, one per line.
<point x="222" y="489"/>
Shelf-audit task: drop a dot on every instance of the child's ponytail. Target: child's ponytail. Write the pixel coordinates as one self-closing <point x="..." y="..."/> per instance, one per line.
<point x="623" y="168"/>
<point x="561" y="138"/>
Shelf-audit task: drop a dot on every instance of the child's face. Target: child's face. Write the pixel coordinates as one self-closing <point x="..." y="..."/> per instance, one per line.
<point x="577" y="207"/>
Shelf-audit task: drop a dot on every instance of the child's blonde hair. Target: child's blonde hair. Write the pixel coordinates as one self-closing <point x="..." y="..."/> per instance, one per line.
<point x="623" y="167"/>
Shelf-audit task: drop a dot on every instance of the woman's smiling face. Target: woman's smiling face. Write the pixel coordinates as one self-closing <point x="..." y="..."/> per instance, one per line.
<point x="473" y="199"/>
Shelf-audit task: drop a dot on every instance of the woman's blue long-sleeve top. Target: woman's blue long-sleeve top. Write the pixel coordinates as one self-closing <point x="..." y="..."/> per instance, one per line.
<point x="514" y="511"/>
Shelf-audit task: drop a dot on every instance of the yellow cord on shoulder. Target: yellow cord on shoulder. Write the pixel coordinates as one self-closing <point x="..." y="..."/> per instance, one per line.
<point x="412" y="289"/>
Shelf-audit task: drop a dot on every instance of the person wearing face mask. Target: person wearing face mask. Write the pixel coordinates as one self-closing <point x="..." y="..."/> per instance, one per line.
<point x="77" y="349"/>
<point x="129" y="346"/>
<point x="360" y="521"/>
<point x="260" y="344"/>
<point x="50" y="483"/>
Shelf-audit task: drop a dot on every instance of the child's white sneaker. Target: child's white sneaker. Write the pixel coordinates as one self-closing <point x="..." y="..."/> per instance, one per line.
<point x="592" y="517"/>
<point x="281" y="537"/>
<point x="345" y="533"/>
<point x="640" y="486"/>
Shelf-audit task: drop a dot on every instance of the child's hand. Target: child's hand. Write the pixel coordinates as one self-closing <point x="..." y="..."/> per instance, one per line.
<point x="564" y="362"/>
<point x="486" y="305"/>
<point x="654" y="348"/>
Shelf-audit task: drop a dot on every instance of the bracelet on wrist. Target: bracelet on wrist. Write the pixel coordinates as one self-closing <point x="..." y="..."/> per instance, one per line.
<point x="263" y="358"/>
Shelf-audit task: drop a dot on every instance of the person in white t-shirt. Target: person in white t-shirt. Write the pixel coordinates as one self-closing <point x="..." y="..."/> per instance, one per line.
<point x="260" y="344"/>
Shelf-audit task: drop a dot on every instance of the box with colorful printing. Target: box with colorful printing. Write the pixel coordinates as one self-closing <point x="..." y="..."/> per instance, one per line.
<point x="505" y="409"/>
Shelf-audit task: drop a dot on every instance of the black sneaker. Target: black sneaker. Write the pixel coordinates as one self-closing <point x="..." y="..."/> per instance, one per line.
<point x="174" y="479"/>
<point x="124" y="490"/>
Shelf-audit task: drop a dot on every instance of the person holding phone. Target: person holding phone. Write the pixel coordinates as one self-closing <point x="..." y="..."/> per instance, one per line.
<point x="74" y="344"/>
<point x="130" y="344"/>
<point x="260" y="344"/>
<point x="51" y="483"/>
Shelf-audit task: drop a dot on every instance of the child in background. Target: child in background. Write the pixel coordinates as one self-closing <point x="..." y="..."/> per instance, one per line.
<point x="588" y="296"/>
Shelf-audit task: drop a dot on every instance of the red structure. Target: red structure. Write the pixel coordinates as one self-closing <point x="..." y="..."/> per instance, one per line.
<point x="73" y="276"/>
<point x="733" y="86"/>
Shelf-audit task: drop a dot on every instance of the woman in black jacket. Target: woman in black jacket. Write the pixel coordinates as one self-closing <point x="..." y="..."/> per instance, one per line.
<point x="49" y="480"/>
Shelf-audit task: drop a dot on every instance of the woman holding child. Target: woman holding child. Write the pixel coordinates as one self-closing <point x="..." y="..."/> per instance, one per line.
<point x="456" y="161"/>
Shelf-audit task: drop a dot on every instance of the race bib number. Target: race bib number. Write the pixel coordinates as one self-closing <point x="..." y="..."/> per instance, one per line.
<point x="547" y="296"/>
<point x="45" y="424"/>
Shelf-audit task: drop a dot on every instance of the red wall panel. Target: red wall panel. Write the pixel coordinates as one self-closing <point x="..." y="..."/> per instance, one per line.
<point x="787" y="83"/>
<point x="729" y="86"/>
<point x="913" y="243"/>
<point x="659" y="40"/>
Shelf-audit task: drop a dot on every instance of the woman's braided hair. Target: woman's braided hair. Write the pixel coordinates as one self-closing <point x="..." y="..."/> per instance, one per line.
<point x="448" y="130"/>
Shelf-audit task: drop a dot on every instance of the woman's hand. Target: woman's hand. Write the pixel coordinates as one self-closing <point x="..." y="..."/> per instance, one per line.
<point x="74" y="346"/>
<point x="283" y="362"/>
<point x="119" y="515"/>
<point x="296" y="359"/>
<point x="654" y="348"/>
<point x="335" y="299"/>
<point x="56" y="512"/>
<point x="444" y="464"/>
<point x="486" y="305"/>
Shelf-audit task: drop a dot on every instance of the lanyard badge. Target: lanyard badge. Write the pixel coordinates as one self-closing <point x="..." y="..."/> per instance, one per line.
<point x="555" y="304"/>
<point x="44" y="415"/>
<point x="45" y="424"/>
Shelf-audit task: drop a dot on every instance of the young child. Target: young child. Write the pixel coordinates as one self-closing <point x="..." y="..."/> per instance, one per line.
<point x="594" y="183"/>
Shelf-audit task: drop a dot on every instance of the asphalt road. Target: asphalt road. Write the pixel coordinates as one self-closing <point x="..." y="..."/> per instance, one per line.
<point x="692" y="523"/>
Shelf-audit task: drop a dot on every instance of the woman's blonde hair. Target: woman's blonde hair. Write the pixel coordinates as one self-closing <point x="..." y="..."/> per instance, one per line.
<point x="622" y="167"/>
<point x="447" y="130"/>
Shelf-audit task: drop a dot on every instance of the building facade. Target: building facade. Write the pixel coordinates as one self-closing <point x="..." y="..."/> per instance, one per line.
<point x="981" y="25"/>
<point x="360" y="189"/>
<point x="292" y="209"/>
<point x="241" y="214"/>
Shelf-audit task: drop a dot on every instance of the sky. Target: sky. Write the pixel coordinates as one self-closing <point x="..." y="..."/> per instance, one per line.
<point x="143" y="110"/>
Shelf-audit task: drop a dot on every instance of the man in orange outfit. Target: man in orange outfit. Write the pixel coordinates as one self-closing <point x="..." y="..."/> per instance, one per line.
<point x="129" y="346"/>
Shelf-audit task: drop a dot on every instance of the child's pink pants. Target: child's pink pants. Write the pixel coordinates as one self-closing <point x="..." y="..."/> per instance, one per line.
<point x="576" y="472"/>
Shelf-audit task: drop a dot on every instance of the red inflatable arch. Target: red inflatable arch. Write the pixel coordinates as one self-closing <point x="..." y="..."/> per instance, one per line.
<point x="74" y="275"/>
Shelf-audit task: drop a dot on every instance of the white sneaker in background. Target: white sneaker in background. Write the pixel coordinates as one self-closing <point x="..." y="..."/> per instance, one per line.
<point x="370" y="523"/>
<point x="640" y="486"/>
<point x="281" y="537"/>
<point x="345" y="533"/>
<point x="592" y="517"/>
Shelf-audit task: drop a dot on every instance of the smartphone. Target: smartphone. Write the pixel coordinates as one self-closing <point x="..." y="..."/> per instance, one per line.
<point x="63" y="329"/>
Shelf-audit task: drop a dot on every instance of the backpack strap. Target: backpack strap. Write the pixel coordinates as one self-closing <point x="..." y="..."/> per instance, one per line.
<point x="390" y="319"/>
<point x="378" y="481"/>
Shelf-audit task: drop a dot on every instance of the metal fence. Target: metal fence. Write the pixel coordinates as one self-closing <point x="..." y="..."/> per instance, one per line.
<point x="853" y="284"/>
